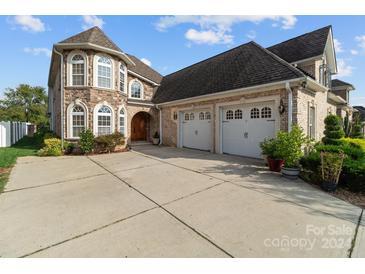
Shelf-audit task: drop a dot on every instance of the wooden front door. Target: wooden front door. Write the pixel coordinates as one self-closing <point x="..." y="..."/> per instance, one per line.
<point x="139" y="127"/>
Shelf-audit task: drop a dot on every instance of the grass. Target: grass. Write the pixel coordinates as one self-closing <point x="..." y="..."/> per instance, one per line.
<point x="28" y="146"/>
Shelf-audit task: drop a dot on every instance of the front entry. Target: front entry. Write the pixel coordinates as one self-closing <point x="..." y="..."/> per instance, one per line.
<point x="139" y="127"/>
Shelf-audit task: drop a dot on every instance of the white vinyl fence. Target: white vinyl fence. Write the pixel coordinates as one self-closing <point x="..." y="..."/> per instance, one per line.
<point x="12" y="132"/>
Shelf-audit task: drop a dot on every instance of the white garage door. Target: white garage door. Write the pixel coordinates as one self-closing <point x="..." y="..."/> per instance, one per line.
<point x="245" y="126"/>
<point x="196" y="130"/>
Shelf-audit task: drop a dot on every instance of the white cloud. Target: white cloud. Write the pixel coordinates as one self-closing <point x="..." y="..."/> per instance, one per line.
<point x="217" y="28"/>
<point x="38" y="51"/>
<point x="146" y="61"/>
<point x="361" y="40"/>
<point x="92" y="21"/>
<point x="251" y="35"/>
<point x="208" y="37"/>
<point x="354" y="52"/>
<point x="344" y="69"/>
<point x="29" y="23"/>
<point x="338" y="45"/>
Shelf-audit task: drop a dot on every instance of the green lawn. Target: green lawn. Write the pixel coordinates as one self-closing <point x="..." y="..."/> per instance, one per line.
<point x="27" y="146"/>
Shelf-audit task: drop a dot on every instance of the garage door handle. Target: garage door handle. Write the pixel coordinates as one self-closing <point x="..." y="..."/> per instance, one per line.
<point x="271" y="120"/>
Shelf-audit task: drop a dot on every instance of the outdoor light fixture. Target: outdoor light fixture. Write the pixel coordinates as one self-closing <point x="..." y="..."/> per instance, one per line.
<point x="281" y="107"/>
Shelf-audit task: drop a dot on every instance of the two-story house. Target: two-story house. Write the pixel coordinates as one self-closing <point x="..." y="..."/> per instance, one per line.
<point x="225" y="104"/>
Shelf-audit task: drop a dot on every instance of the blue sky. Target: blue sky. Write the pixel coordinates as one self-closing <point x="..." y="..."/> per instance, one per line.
<point x="169" y="43"/>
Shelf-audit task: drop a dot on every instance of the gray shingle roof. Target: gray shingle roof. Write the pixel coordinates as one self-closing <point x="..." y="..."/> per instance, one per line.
<point x="244" y="66"/>
<point x="95" y="36"/>
<point x="144" y="70"/>
<point x="302" y="47"/>
<point x="336" y="83"/>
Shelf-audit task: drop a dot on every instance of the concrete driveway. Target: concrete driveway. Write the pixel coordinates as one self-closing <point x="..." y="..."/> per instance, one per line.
<point x="168" y="202"/>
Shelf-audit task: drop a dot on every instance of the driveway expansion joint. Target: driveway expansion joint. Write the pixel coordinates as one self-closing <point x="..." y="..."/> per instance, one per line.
<point x="166" y="210"/>
<point x="353" y="242"/>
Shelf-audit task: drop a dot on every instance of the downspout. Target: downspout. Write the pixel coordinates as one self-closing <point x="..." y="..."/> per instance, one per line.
<point x="160" y="112"/>
<point x="62" y="98"/>
<point x="290" y="105"/>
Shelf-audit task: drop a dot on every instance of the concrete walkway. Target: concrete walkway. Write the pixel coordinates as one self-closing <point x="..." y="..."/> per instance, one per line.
<point x="168" y="202"/>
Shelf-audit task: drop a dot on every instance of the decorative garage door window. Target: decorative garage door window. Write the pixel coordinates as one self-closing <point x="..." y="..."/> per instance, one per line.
<point x="191" y="116"/>
<point x="201" y="116"/>
<point x="229" y="115"/>
<point x="238" y="114"/>
<point x="255" y="113"/>
<point x="104" y="121"/>
<point x="266" y="112"/>
<point x="186" y="116"/>
<point x="207" y="115"/>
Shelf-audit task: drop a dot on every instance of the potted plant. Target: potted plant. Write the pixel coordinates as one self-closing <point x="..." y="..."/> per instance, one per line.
<point x="271" y="154"/>
<point x="289" y="146"/>
<point x="331" y="167"/>
<point x="156" y="138"/>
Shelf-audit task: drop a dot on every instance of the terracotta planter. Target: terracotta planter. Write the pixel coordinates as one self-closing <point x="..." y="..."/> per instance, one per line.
<point x="290" y="173"/>
<point x="275" y="164"/>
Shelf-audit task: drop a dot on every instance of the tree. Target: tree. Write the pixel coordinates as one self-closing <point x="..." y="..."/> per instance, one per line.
<point x="333" y="129"/>
<point x="25" y="104"/>
<point x="356" y="127"/>
<point x="347" y="125"/>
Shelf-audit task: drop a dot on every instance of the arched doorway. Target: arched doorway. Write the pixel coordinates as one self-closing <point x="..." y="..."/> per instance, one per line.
<point x="140" y="126"/>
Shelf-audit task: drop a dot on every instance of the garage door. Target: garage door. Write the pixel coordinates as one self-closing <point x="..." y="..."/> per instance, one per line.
<point x="245" y="126"/>
<point x="196" y="130"/>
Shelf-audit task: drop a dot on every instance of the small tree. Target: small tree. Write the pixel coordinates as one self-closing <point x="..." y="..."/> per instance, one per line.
<point x="333" y="129"/>
<point x="356" y="128"/>
<point x="86" y="141"/>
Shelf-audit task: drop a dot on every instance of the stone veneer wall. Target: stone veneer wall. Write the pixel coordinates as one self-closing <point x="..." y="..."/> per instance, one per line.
<point x="91" y="96"/>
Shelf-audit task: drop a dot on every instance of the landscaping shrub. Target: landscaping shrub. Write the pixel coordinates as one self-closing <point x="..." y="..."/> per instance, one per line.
<point x="86" y="141"/>
<point x="333" y="130"/>
<point x="354" y="175"/>
<point x="52" y="148"/>
<point x="360" y="143"/>
<point x="356" y="128"/>
<point x="107" y="143"/>
<point x="289" y="146"/>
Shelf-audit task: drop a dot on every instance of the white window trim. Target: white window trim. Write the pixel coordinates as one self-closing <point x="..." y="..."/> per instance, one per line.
<point x="95" y="71"/>
<point x="130" y="89"/>
<point x="69" y="117"/>
<point x="69" y="68"/>
<point x="311" y="104"/>
<point x="95" y="117"/>
<point x="125" y="78"/>
<point x="125" y="120"/>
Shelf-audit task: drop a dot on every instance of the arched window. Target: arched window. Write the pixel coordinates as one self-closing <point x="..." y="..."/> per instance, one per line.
<point x="191" y="116"/>
<point x="136" y="89"/>
<point x="255" y="113"/>
<point x="229" y="115"/>
<point x="266" y="112"/>
<point x="122" y="121"/>
<point x="78" y="120"/>
<point x="238" y="114"/>
<point x="186" y="117"/>
<point x="201" y="116"/>
<point x="104" y="118"/>
<point x="121" y="78"/>
<point x="78" y="70"/>
<point x="104" y="72"/>
<point x="207" y="115"/>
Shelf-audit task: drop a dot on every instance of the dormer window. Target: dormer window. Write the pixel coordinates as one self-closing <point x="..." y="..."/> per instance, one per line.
<point x="104" y="72"/>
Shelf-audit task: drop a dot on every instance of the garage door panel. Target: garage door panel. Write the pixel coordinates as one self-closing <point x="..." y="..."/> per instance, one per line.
<point x="196" y="127"/>
<point x="242" y="134"/>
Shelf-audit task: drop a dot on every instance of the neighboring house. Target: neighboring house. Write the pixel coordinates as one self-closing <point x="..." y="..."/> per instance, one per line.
<point x="225" y="104"/>
<point x="342" y="89"/>
<point x="360" y="110"/>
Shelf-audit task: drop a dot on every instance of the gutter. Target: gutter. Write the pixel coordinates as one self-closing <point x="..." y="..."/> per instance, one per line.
<point x="290" y="105"/>
<point x="62" y="98"/>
